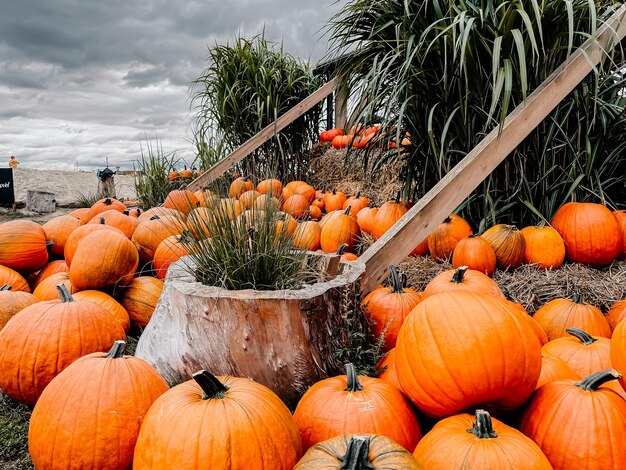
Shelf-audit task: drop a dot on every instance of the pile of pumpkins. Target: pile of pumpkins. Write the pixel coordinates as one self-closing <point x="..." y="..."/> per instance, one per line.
<point x="361" y="138"/>
<point x="182" y="176"/>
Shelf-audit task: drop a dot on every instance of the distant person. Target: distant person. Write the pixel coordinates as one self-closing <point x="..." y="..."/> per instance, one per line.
<point x="13" y="162"/>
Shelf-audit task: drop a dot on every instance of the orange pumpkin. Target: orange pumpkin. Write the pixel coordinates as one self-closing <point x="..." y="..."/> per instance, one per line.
<point x="618" y="351"/>
<point x="330" y="134"/>
<point x="446" y="367"/>
<point x="353" y="404"/>
<point x="120" y="220"/>
<point x="478" y="441"/>
<point x="109" y="395"/>
<point x="307" y="236"/>
<point x="475" y="253"/>
<point x="590" y="232"/>
<point x="267" y="203"/>
<point x="463" y="279"/>
<point x="163" y="213"/>
<point x="140" y="298"/>
<point x="346" y="256"/>
<point x="443" y="239"/>
<point x="12" y="302"/>
<point x="587" y="415"/>
<point x="23" y="246"/>
<point x="101" y="206"/>
<point x="285" y="224"/>
<point x="508" y="244"/>
<point x="387" y="307"/>
<point x="47" y="289"/>
<point x="205" y="198"/>
<point x="80" y="214"/>
<point x="421" y="249"/>
<point x="51" y="335"/>
<point x="342" y="141"/>
<point x="387" y="215"/>
<point x="616" y="313"/>
<point x="247" y="198"/>
<point x="108" y="303"/>
<point x="169" y="251"/>
<point x="338" y="230"/>
<point x="235" y="407"/>
<point x="199" y="221"/>
<point x="297" y="206"/>
<point x="357" y="203"/>
<point x="150" y="234"/>
<point x="315" y="213"/>
<point x="335" y="201"/>
<point x="58" y="230"/>
<point x="554" y="368"/>
<point x="544" y="247"/>
<point x="358" y="452"/>
<point x="53" y="267"/>
<point x="620" y="216"/>
<point x="273" y="187"/>
<point x="10" y="277"/>
<point x="559" y="314"/>
<point x="238" y="186"/>
<point x="102" y="260"/>
<point x="181" y="200"/>
<point x="386" y="369"/>
<point x="366" y="218"/>
<point x="77" y="237"/>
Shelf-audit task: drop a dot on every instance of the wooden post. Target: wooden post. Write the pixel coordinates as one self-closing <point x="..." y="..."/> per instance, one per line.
<point x="341" y="104"/>
<point x="445" y="196"/>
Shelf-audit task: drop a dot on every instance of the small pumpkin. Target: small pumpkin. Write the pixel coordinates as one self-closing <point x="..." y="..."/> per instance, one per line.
<point x="387" y="307"/>
<point x="140" y="298"/>
<point x="163" y="213"/>
<point x="355" y="404"/>
<point x="338" y="230"/>
<point x="214" y="413"/>
<point x="387" y="215"/>
<point x="120" y="220"/>
<point x="53" y="267"/>
<point x="544" y="247"/>
<point x="358" y="452"/>
<point x="508" y="243"/>
<point x="297" y="206"/>
<point x="554" y="368"/>
<point x="559" y="314"/>
<point x="23" y="246"/>
<point x="307" y="236"/>
<point x="616" y="313"/>
<point x="102" y="396"/>
<point x="346" y="256"/>
<point x="47" y="289"/>
<point x="199" y="222"/>
<point x="444" y="238"/>
<point x="334" y="201"/>
<point x="169" y="251"/>
<point x="247" y="198"/>
<point x="285" y="224"/>
<point x="463" y="279"/>
<point x="58" y="229"/>
<point x="315" y="213"/>
<point x="475" y="253"/>
<point x="357" y="203"/>
<point x="270" y="186"/>
<point x="181" y="200"/>
<point x="365" y="218"/>
<point x="150" y="234"/>
<point x="479" y="441"/>
<point x="10" y="277"/>
<point x="12" y="302"/>
<point x="589" y="417"/>
<point x="238" y="186"/>
<point x="102" y="205"/>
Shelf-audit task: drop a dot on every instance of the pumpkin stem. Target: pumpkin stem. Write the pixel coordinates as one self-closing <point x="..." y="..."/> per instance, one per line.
<point x="347" y="211"/>
<point x="155" y="217"/>
<point x="117" y="350"/>
<point x="102" y="221"/>
<point x="126" y="212"/>
<point x="356" y="456"/>
<point x="49" y="245"/>
<point x="508" y="295"/>
<point x="584" y="337"/>
<point x="593" y="381"/>
<point x="577" y="298"/>
<point x="353" y="379"/>
<point x="404" y="280"/>
<point x="447" y="220"/>
<point x="210" y="385"/>
<point x="5" y="287"/>
<point x="395" y="281"/>
<point x="483" y="427"/>
<point x="64" y="293"/>
<point x="107" y="201"/>
<point x="341" y="249"/>
<point x="459" y="274"/>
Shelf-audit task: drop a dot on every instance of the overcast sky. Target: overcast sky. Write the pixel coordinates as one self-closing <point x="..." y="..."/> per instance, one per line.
<point x="85" y="79"/>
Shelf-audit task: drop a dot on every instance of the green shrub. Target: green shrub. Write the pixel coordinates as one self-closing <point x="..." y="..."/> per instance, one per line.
<point x="152" y="177"/>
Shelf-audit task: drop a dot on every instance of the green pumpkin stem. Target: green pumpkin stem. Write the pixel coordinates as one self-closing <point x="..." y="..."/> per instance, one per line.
<point x="117" y="350"/>
<point x="396" y="284"/>
<point x="577" y="298"/>
<point x="459" y="275"/>
<point x="347" y="211"/>
<point x="593" y="381"/>
<point x="64" y="293"/>
<point x="107" y="201"/>
<point x="102" y="221"/>
<point x="483" y="427"/>
<point x="341" y="249"/>
<point x="584" y="337"/>
<point x="210" y="385"/>
<point x="447" y="220"/>
<point x="356" y="456"/>
<point x="5" y="287"/>
<point x="49" y="245"/>
<point x="353" y="379"/>
<point x="155" y="217"/>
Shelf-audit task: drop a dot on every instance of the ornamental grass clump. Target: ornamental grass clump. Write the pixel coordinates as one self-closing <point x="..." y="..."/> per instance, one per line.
<point x="239" y="249"/>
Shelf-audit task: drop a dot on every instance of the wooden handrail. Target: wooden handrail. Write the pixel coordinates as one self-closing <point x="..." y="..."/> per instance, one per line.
<point x="395" y="245"/>
<point x="263" y="136"/>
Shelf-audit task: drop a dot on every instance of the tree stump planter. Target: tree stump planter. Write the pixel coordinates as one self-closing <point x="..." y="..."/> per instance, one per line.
<point x="286" y="340"/>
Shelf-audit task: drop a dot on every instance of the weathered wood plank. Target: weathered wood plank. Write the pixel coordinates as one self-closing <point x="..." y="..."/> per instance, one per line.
<point x="263" y="136"/>
<point x="445" y="196"/>
<point x="341" y="104"/>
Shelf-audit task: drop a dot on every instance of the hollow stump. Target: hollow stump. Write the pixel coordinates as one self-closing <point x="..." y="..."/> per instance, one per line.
<point x="286" y="340"/>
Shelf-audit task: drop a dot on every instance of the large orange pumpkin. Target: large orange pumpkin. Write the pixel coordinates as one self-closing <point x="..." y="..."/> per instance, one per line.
<point x="618" y="351"/>
<point x="10" y="277"/>
<point x="478" y="442"/>
<point x="97" y="404"/>
<point x="352" y="404"/>
<point x="307" y="236"/>
<point x="53" y="267"/>
<point x="151" y="233"/>
<point x="335" y="201"/>
<point x="47" y="289"/>
<point x="77" y="237"/>
<point x="51" y="335"/>
<point x="23" y="246"/>
<point x="620" y="216"/>
<point x="12" y="302"/>
<point x="108" y="303"/>
<point x="590" y="232"/>
<point x="181" y="200"/>
<point x="460" y="350"/>
<point x="120" y="220"/>
<point x="475" y="253"/>
<point x="102" y="205"/>
<point x="508" y="244"/>
<point x="169" y="251"/>
<point x="163" y="213"/>
<point x="443" y="239"/>
<point x="139" y="298"/>
<point x="583" y="353"/>
<point x="387" y="307"/>
<point x="544" y="247"/>
<point x="227" y="422"/>
<point x="238" y="186"/>
<point x="358" y="452"/>
<point x="103" y="259"/>
<point x="338" y="230"/>
<point x="554" y="368"/>
<point x="463" y="279"/>
<point x="366" y="218"/>
<point x="270" y="186"/>
<point x="387" y="215"/>
<point x="356" y="203"/>
<point x="57" y="230"/>
<point x="616" y="313"/>
<point x="297" y="206"/>
<point x="589" y="419"/>
<point x="559" y="314"/>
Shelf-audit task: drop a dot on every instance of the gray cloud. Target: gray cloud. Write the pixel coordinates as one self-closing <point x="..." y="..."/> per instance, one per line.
<point x="85" y="79"/>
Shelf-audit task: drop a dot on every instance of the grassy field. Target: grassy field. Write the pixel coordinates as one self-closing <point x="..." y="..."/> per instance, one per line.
<point x="14" y="418"/>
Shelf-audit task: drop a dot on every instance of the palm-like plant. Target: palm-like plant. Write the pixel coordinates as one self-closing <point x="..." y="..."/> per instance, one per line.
<point x="449" y="72"/>
<point x="245" y="87"/>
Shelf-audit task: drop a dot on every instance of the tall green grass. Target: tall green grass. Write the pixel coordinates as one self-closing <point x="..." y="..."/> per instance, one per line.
<point x="151" y="177"/>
